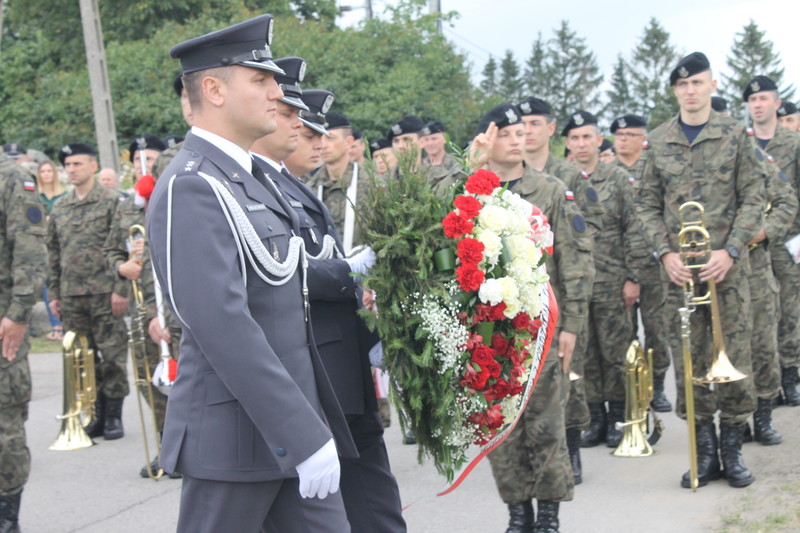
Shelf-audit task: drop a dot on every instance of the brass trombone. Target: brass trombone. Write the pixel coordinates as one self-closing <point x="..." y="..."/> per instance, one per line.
<point x="80" y="393"/>
<point x="137" y="335"/>
<point x="695" y="249"/>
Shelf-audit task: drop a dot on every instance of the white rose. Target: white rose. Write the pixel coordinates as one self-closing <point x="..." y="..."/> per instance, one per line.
<point x="492" y="244"/>
<point x="493" y="218"/>
<point x="490" y="292"/>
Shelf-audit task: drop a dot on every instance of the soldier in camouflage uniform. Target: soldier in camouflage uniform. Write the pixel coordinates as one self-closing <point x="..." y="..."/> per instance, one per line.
<point x="788" y="116"/>
<point x="22" y="271"/>
<point x="615" y="286"/>
<point x="702" y="156"/>
<point x="630" y="139"/>
<point x="331" y="182"/>
<point x="533" y="461"/>
<point x="433" y="141"/>
<point x="784" y="146"/>
<point x="761" y="96"/>
<point x="83" y="291"/>
<point x="537" y="116"/>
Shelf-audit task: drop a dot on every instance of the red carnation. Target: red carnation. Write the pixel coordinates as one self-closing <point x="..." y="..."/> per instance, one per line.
<point x="468" y="206"/>
<point x="145" y="185"/>
<point x="455" y="225"/>
<point x="482" y="182"/>
<point x="470" y="251"/>
<point x="469" y="278"/>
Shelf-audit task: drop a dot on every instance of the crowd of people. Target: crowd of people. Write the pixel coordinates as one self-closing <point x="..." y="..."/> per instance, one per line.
<point x="252" y="233"/>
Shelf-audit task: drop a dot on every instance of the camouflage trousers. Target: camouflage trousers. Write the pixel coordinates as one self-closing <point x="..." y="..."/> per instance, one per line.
<point x="652" y="296"/>
<point x="764" y="342"/>
<point x="15" y="393"/>
<point x="91" y="315"/>
<point x="610" y="332"/>
<point x="788" y="274"/>
<point x="153" y="358"/>
<point x="735" y="400"/>
<point x="533" y="461"/>
<point x="577" y="411"/>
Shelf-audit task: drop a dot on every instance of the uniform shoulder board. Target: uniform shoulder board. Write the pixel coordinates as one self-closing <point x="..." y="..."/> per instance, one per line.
<point x="750" y="131"/>
<point x="584" y="174"/>
<point x="29" y="185"/>
<point x="569" y="195"/>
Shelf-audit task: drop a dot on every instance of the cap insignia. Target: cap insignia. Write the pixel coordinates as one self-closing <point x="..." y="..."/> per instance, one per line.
<point x="66" y="149"/>
<point x="755" y="86"/>
<point x="269" y="32"/>
<point x="578" y="119"/>
<point x="525" y="107"/>
<point x="683" y="73"/>
<point x="621" y="123"/>
<point x="511" y="115"/>
<point x="326" y="105"/>
<point x="396" y="129"/>
<point x="302" y="73"/>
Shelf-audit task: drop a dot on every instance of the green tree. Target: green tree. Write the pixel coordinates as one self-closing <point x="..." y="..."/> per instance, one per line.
<point x="537" y="75"/>
<point x="574" y="75"/>
<point x="751" y="55"/>
<point x="619" y="96"/>
<point x="649" y="68"/>
<point x="489" y="83"/>
<point x="510" y="86"/>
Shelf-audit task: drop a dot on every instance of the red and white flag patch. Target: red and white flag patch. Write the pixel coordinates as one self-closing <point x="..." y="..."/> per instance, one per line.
<point x="569" y="195"/>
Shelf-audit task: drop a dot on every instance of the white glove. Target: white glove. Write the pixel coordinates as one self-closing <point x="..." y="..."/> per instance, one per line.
<point x="319" y="474"/>
<point x="362" y="261"/>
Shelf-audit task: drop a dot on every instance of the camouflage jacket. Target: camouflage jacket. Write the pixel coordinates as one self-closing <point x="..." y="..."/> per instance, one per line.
<point x="164" y="158"/>
<point x="784" y="147"/>
<point x="22" y="251"/>
<point x="643" y="256"/>
<point x="722" y="169"/>
<point x="570" y="266"/>
<point x="334" y="195"/>
<point x="578" y="182"/>
<point x="621" y="232"/>
<point x="76" y="233"/>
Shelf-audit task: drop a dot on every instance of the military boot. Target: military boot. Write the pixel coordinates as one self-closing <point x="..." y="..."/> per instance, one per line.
<point x="616" y="413"/>
<point x="660" y="404"/>
<point x="546" y="517"/>
<point x="596" y="432"/>
<point x="789" y="378"/>
<point x="520" y="517"/>
<point x="763" y="430"/>
<point x="735" y="471"/>
<point x="96" y="426"/>
<point x="707" y="457"/>
<point x="574" y="447"/>
<point x="9" y="513"/>
<point x="113" y="428"/>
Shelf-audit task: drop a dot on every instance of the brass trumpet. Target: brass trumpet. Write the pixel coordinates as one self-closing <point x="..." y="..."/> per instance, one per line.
<point x="80" y="393"/>
<point x="137" y="333"/>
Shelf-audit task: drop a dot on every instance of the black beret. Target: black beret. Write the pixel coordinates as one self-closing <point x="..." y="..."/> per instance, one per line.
<point x="319" y="103"/>
<point x="579" y="119"/>
<point x="177" y="85"/>
<point x="759" y="84"/>
<point x="407" y="124"/>
<point x="786" y="109"/>
<point x="628" y="121"/>
<point x="295" y="71"/>
<point x="379" y="144"/>
<point x="606" y="145"/>
<point x="14" y="149"/>
<point x="171" y="141"/>
<point x="694" y="63"/>
<point x="146" y="142"/>
<point x="357" y="134"/>
<point x="246" y="43"/>
<point x="719" y="104"/>
<point x="502" y="115"/>
<point x="75" y="149"/>
<point x="432" y="127"/>
<point x="336" y="120"/>
<point x="535" y="106"/>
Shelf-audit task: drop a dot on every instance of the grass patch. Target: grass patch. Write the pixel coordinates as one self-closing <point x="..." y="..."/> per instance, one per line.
<point x="43" y="345"/>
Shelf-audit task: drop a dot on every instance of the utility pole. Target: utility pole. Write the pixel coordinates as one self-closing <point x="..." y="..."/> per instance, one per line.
<point x="104" y="127"/>
<point x="2" y="13"/>
<point x="435" y="7"/>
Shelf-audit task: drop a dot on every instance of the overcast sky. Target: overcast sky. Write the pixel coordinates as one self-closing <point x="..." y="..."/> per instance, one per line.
<point x="611" y="27"/>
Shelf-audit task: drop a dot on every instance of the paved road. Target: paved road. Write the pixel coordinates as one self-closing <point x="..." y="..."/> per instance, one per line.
<point x="98" y="490"/>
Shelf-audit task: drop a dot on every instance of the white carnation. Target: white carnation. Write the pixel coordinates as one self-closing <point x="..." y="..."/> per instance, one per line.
<point x="491" y="292"/>
<point x="494" y="218"/>
<point x="492" y="244"/>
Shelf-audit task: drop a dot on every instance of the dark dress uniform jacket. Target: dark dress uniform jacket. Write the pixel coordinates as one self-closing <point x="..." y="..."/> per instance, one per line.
<point x="332" y="291"/>
<point x="251" y="400"/>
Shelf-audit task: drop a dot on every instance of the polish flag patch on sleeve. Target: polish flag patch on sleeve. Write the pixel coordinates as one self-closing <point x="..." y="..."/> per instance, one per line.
<point x="569" y="195"/>
<point x="29" y="185"/>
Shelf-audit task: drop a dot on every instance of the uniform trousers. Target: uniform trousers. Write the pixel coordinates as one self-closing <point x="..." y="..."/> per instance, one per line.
<point x="610" y="332"/>
<point x="209" y="506"/>
<point x="788" y="274"/>
<point x="764" y="341"/>
<point x="15" y="393"/>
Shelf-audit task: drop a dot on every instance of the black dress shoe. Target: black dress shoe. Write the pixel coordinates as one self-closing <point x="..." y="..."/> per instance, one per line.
<point x="154" y="468"/>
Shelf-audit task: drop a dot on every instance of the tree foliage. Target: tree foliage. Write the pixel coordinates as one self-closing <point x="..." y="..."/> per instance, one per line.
<point x="652" y="61"/>
<point x="752" y="55"/>
<point x="619" y="96"/>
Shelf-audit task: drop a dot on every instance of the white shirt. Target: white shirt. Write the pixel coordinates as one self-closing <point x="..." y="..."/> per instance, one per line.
<point x="242" y="157"/>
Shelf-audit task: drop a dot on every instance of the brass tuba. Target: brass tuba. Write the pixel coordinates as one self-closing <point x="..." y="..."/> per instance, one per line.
<point x="80" y="393"/>
<point x="137" y="338"/>
<point x="638" y="395"/>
